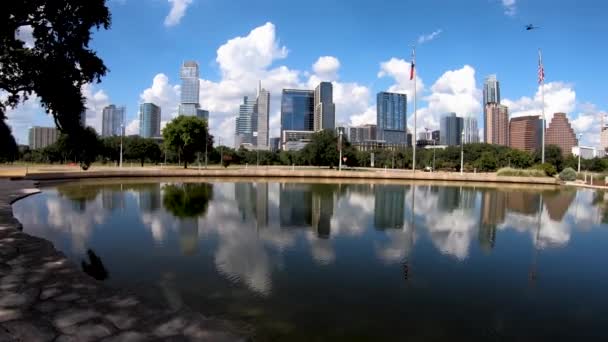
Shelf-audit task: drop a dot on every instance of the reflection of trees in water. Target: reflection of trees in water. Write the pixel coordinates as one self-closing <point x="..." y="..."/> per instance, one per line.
<point x="187" y="200"/>
<point x="94" y="267"/>
<point x="600" y="201"/>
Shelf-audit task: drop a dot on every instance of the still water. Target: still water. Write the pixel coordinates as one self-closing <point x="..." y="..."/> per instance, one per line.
<point x="348" y="262"/>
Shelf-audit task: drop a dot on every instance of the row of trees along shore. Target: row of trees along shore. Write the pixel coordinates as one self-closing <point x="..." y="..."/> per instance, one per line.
<point x="187" y="139"/>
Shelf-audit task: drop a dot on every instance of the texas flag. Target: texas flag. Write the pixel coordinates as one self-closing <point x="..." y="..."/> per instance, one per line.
<point x="412" y="70"/>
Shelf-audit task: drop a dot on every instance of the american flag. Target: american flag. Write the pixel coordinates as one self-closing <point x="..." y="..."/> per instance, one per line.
<point x="413" y="66"/>
<point x="541" y="69"/>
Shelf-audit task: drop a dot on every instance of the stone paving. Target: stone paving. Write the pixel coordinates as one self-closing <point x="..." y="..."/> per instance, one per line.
<point x="44" y="297"/>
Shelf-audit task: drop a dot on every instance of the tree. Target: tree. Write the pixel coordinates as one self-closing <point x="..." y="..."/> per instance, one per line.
<point x="553" y="156"/>
<point x="8" y="146"/>
<point x="187" y="200"/>
<point x="487" y="162"/>
<point x="142" y="149"/>
<point x="81" y="146"/>
<point x="322" y="150"/>
<point x="187" y="135"/>
<point x="58" y="63"/>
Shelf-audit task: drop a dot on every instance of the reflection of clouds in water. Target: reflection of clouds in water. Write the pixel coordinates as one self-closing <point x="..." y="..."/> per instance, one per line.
<point x="552" y="233"/>
<point x="321" y="249"/>
<point x="452" y="233"/>
<point x="352" y="214"/>
<point x="78" y="224"/>
<point x="240" y="253"/>
<point x="401" y="243"/>
<point x="159" y="222"/>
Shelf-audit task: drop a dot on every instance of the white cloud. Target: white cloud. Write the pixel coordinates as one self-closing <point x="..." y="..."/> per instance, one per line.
<point x="30" y="113"/>
<point x="164" y="95"/>
<point x="509" y="7"/>
<point x="425" y="38"/>
<point x="177" y="12"/>
<point x="132" y="127"/>
<point x="326" y="68"/>
<point x="25" y="34"/>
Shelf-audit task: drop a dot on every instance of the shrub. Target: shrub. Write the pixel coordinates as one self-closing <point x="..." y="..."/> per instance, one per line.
<point x="568" y="174"/>
<point x="507" y="171"/>
<point x="548" y="168"/>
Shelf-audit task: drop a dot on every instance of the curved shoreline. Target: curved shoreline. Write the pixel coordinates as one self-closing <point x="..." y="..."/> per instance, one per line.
<point x="45" y="297"/>
<point x="263" y="172"/>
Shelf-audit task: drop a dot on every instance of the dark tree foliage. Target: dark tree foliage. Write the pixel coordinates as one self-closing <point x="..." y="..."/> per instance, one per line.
<point x="8" y="146"/>
<point x="187" y="200"/>
<point x="187" y="135"/>
<point x="141" y="149"/>
<point x="60" y="61"/>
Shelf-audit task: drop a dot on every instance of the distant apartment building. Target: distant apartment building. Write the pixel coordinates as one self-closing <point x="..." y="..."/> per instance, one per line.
<point x="560" y="133"/>
<point x="41" y="137"/>
<point x="275" y="144"/>
<point x="451" y="127"/>
<point x="391" y="117"/>
<point x="491" y="94"/>
<point x="496" y="130"/>
<point x="362" y="133"/>
<point x="588" y="152"/>
<point x="295" y="140"/>
<point x="149" y="120"/>
<point x="113" y="120"/>
<point x="525" y="133"/>
<point x="471" y="133"/>
<point x="324" y="107"/>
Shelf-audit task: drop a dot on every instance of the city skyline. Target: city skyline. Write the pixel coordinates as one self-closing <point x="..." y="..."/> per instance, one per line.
<point x="289" y="61"/>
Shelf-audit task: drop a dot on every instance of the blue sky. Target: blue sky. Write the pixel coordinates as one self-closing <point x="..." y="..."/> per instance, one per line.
<point x="361" y="46"/>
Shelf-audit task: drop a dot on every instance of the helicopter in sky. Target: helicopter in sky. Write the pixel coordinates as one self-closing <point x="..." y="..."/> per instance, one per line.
<point x="531" y="27"/>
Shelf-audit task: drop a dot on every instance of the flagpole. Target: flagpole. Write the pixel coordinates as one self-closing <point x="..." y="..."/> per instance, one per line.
<point x="542" y="97"/>
<point x="415" y="104"/>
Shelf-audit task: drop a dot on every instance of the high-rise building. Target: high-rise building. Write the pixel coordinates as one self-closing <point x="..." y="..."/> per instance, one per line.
<point x="263" y="114"/>
<point x="362" y="133"/>
<point x="297" y="110"/>
<point x="245" y="123"/>
<point x="491" y="94"/>
<point x="471" y="133"/>
<point x="275" y="144"/>
<point x="113" y="120"/>
<point x="149" y="120"/>
<point x="436" y="135"/>
<point x="202" y="114"/>
<point x="496" y="130"/>
<point x="41" y="137"/>
<point x="525" y="133"/>
<point x="450" y="130"/>
<point x="325" y="109"/>
<point x="603" y="133"/>
<point x="83" y="118"/>
<point x="391" y="115"/>
<point x="190" y="88"/>
<point x="560" y="133"/>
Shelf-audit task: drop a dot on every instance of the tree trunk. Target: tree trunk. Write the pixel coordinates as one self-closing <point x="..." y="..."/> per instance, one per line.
<point x="185" y="164"/>
<point x="142" y="162"/>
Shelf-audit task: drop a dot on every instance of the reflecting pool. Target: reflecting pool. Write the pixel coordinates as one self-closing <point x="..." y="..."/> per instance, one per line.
<point x="302" y="261"/>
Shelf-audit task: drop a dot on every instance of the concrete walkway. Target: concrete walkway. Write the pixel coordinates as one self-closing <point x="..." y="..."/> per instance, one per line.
<point x="44" y="297"/>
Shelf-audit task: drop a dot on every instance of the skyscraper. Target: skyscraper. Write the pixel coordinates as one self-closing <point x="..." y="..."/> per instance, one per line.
<point x="149" y="120"/>
<point x="560" y="133"/>
<point x="41" y="137"/>
<point x="525" y="133"/>
<point x="362" y="133"/>
<point x="113" y="119"/>
<point x="325" y="109"/>
<point x="391" y="112"/>
<point x="471" y="133"/>
<point x="245" y="123"/>
<point x="450" y="130"/>
<point x="83" y="118"/>
<point x="190" y="88"/>
<point x="603" y="133"/>
<point x="491" y="94"/>
<point x="496" y="130"/>
<point x="263" y="113"/>
<point x="297" y="110"/>
<point x="202" y="114"/>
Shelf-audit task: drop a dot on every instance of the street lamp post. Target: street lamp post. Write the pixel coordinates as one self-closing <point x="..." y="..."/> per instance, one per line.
<point x="340" y="147"/>
<point x="462" y="153"/>
<point x="122" y="133"/>
<point x="580" y="135"/>
<point x="434" y="149"/>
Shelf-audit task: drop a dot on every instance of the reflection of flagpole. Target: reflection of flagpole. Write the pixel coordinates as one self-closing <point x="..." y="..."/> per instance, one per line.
<point x="407" y="262"/>
<point x="534" y="267"/>
<point x="413" y="76"/>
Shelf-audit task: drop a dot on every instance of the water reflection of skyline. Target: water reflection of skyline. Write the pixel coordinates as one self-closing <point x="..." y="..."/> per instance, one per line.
<point x="256" y="223"/>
